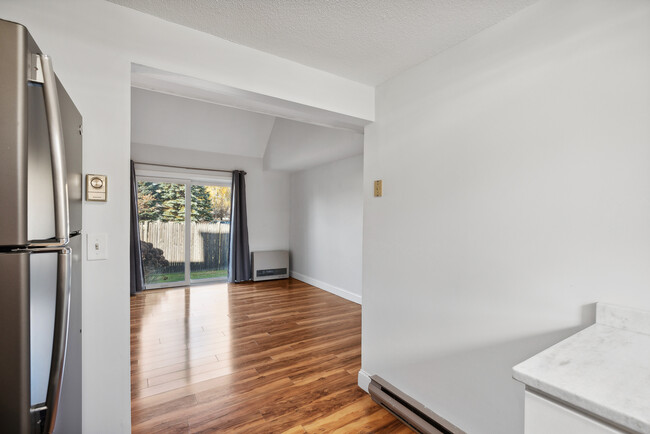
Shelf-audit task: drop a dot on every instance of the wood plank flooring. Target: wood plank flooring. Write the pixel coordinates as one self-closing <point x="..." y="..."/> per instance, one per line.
<point x="268" y="357"/>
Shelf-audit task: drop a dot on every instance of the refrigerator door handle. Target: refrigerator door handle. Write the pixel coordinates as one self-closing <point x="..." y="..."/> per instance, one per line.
<point x="57" y="150"/>
<point x="61" y="323"/>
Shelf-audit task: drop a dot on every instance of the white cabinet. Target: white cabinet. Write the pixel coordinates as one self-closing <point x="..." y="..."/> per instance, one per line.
<point x="543" y="416"/>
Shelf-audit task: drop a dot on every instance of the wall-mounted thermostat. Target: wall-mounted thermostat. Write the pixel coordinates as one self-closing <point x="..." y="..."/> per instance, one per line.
<point x="96" y="188"/>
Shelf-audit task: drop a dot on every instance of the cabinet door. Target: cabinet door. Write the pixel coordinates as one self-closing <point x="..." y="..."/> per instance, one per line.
<point x="544" y="416"/>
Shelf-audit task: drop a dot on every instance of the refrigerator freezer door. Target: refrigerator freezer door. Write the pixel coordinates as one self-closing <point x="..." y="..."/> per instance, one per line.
<point x="14" y="341"/>
<point x="40" y="199"/>
<point x="40" y="204"/>
<point x="26" y="186"/>
<point x="72" y="130"/>
<point x="14" y="41"/>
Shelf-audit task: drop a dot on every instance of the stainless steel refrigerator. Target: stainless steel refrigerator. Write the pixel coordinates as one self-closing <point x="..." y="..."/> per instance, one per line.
<point x="40" y="242"/>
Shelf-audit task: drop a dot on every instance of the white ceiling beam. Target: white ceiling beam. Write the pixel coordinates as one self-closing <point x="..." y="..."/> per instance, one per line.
<point x="144" y="77"/>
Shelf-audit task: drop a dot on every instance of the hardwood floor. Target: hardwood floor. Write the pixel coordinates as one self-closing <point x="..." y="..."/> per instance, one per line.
<point x="269" y="357"/>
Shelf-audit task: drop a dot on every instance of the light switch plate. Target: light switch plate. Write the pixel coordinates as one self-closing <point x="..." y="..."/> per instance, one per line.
<point x="96" y="188"/>
<point x="97" y="247"/>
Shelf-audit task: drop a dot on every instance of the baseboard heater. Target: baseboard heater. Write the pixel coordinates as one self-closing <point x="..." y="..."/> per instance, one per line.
<point x="270" y="265"/>
<point x="408" y="410"/>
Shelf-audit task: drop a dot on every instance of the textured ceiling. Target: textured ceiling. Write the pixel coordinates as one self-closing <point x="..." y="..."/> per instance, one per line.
<point x="367" y="41"/>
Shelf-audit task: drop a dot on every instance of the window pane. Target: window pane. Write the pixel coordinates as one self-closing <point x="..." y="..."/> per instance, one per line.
<point x="161" y="209"/>
<point x="210" y="231"/>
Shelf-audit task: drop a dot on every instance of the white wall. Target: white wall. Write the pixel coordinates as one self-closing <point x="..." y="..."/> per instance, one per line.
<point x="93" y="43"/>
<point x="267" y="192"/>
<point x="516" y="172"/>
<point x="327" y="226"/>
<point x="297" y="145"/>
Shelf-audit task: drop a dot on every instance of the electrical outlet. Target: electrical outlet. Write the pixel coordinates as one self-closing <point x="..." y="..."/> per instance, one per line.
<point x="97" y="247"/>
<point x="378" y="192"/>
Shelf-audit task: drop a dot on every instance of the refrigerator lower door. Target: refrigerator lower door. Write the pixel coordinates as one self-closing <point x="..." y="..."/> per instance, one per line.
<point x="14" y="342"/>
<point x="43" y="269"/>
<point x="28" y="300"/>
<point x="43" y="273"/>
<point x="68" y="420"/>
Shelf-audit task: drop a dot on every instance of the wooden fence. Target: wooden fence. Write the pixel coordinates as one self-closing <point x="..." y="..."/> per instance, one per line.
<point x="208" y="248"/>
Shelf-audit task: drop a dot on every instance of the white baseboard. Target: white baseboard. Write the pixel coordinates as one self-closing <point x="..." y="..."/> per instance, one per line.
<point x="327" y="287"/>
<point x="363" y="380"/>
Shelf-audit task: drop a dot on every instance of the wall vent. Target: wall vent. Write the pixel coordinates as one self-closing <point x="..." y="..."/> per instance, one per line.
<point x="269" y="265"/>
<point x="408" y="410"/>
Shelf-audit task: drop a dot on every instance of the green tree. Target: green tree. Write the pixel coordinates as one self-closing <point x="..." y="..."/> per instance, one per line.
<point x="173" y="202"/>
<point x="201" y="204"/>
<point x="220" y="197"/>
<point x="165" y="202"/>
<point x="150" y="205"/>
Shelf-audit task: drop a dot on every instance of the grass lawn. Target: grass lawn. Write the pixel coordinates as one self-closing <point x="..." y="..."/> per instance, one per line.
<point x="179" y="277"/>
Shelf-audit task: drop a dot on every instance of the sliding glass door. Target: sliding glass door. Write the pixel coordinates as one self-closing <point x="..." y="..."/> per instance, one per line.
<point x="161" y="210"/>
<point x="210" y="231"/>
<point x="184" y="230"/>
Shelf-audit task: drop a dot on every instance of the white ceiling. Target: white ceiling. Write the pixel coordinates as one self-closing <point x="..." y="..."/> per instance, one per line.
<point x="166" y="120"/>
<point x="367" y="41"/>
<point x="179" y="122"/>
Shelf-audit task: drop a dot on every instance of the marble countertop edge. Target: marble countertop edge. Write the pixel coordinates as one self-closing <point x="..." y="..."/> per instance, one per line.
<point x="614" y="348"/>
<point x="592" y="408"/>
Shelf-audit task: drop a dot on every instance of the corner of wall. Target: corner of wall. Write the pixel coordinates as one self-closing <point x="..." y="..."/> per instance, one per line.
<point x="327" y="287"/>
<point x="265" y="156"/>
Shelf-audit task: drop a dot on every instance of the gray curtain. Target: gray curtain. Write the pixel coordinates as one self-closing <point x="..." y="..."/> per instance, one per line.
<point x="239" y="267"/>
<point x="137" y="273"/>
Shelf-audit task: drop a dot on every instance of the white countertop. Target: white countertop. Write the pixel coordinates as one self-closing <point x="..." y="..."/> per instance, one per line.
<point x="604" y="369"/>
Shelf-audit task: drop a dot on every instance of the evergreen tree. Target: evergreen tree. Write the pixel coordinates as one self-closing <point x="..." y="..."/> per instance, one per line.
<point x="149" y="202"/>
<point x="201" y="204"/>
<point x="166" y="202"/>
<point x="173" y="202"/>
